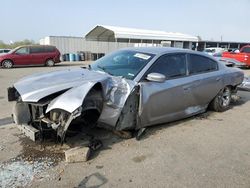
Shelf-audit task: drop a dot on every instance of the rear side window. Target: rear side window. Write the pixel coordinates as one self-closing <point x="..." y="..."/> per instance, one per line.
<point x="246" y="50"/>
<point x="171" y="66"/>
<point x="49" y="49"/>
<point x="37" y="49"/>
<point x="198" y="64"/>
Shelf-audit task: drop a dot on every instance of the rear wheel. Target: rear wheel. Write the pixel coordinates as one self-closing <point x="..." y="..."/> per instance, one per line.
<point x="7" y="64"/>
<point x="50" y="63"/>
<point x="222" y="101"/>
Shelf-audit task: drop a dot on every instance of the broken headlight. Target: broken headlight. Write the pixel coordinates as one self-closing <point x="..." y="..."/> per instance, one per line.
<point x="13" y="94"/>
<point x="56" y="118"/>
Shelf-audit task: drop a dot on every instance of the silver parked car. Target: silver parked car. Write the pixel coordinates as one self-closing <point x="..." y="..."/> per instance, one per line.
<point x="230" y="62"/>
<point x="129" y="89"/>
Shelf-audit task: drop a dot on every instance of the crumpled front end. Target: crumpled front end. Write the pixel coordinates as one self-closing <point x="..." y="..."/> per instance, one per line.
<point x="101" y="99"/>
<point x="33" y="120"/>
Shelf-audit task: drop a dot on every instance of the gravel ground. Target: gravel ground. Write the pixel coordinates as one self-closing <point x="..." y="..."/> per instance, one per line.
<point x="209" y="150"/>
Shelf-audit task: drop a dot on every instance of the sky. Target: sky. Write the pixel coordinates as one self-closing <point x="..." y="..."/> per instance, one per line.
<point x="210" y="19"/>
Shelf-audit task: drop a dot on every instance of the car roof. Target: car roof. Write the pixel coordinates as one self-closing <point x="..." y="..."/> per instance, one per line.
<point x="214" y="48"/>
<point x="248" y="45"/>
<point x="157" y="50"/>
<point x="163" y="50"/>
<point x="35" y="45"/>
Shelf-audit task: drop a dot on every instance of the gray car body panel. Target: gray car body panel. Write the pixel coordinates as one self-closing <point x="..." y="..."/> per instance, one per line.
<point x="159" y="102"/>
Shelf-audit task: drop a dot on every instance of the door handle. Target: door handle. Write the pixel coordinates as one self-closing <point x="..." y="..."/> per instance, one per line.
<point x="218" y="79"/>
<point x="186" y="88"/>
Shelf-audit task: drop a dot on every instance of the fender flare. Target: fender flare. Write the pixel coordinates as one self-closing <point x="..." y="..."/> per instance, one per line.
<point x="72" y="99"/>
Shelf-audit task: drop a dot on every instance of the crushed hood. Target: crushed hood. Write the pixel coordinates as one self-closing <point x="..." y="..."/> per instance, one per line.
<point x="35" y="87"/>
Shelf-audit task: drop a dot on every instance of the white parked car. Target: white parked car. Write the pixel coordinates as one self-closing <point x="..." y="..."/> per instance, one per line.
<point x="4" y="51"/>
<point x="212" y="51"/>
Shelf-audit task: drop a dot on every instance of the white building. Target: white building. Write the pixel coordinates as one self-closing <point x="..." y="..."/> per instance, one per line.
<point x="104" y="39"/>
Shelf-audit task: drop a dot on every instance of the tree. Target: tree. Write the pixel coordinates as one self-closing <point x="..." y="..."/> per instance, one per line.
<point x="16" y="43"/>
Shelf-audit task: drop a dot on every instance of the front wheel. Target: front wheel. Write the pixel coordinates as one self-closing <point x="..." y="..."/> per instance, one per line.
<point x="50" y="63"/>
<point x="7" y="64"/>
<point x="222" y="101"/>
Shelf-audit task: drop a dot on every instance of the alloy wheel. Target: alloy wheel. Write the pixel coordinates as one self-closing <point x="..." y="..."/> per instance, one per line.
<point x="7" y="64"/>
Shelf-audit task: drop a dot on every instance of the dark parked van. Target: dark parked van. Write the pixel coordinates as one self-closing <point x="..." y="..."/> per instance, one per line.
<point x="31" y="55"/>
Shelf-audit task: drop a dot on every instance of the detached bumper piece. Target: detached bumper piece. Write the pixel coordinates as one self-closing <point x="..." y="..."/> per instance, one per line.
<point x="245" y="86"/>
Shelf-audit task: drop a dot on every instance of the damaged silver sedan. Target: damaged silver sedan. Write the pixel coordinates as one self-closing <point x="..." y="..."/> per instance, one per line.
<point x="129" y="89"/>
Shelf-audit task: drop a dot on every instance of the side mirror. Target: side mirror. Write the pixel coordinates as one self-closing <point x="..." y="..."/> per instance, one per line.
<point x="156" y="77"/>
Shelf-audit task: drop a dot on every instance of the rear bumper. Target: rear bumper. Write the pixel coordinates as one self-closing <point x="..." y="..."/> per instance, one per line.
<point x="57" y="60"/>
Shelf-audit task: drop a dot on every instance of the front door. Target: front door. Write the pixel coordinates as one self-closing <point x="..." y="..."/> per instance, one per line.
<point x="22" y="56"/>
<point x="166" y="101"/>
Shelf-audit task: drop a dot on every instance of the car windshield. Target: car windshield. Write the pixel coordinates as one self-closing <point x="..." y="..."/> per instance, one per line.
<point x="125" y="63"/>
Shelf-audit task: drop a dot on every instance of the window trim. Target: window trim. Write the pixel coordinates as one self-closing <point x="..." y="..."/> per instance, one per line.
<point x="21" y="48"/>
<point x="188" y="63"/>
<point x="168" y="54"/>
<point x="46" y="49"/>
<point x="40" y="52"/>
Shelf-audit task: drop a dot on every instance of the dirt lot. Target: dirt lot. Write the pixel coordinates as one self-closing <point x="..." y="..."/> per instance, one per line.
<point x="209" y="150"/>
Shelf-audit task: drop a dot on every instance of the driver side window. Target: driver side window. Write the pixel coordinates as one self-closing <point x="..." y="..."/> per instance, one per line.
<point x="23" y="51"/>
<point x="172" y="66"/>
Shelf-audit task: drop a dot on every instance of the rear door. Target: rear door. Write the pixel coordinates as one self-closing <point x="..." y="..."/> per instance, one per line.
<point x="38" y="54"/>
<point x="22" y="56"/>
<point x="207" y="79"/>
<point x="167" y="101"/>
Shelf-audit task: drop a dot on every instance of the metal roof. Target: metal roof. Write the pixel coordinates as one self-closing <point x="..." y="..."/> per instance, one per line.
<point x="109" y="33"/>
<point x="219" y="41"/>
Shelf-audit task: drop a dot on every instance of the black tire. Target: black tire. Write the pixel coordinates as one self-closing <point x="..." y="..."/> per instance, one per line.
<point x="7" y="64"/>
<point x="222" y="101"/>
<point x="50" y="63"/>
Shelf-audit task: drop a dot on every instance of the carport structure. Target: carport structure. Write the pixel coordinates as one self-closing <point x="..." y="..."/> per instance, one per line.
<point x="140" y="37"/>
